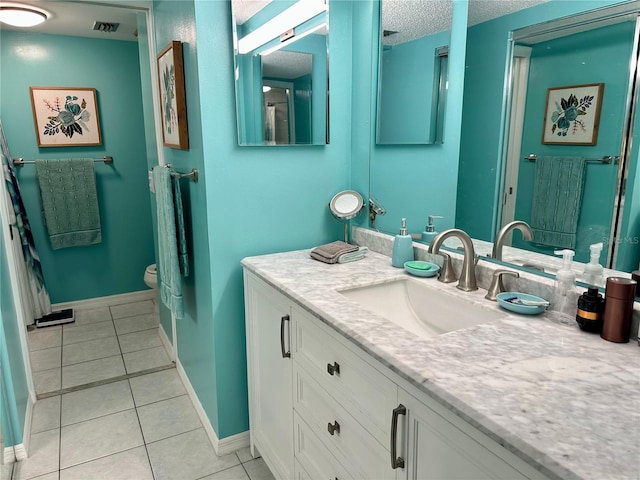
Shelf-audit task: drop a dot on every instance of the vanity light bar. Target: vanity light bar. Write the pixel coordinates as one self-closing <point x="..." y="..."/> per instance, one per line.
<point x="291" y="39"/>
<point x="293" y="16"/>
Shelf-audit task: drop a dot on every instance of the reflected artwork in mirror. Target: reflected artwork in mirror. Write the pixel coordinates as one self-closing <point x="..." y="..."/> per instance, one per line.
<point x="281" y="72"/>
<point x="412" y="77"/>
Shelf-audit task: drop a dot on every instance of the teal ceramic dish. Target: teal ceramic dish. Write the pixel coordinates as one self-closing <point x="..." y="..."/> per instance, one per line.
<point x="511" y="301"/>
<point x="421" y="269"/>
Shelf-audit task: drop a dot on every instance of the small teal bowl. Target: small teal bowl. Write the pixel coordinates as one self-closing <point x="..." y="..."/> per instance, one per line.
<point x="524" y="309"/>
<point x="421" y="269"/>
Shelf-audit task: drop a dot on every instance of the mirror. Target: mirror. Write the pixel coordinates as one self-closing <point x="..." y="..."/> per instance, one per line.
<point x="413" y="68"/>
<point x="281" y="72"/>
<point x="478" y="206"/>
<point x="344" y="206"/>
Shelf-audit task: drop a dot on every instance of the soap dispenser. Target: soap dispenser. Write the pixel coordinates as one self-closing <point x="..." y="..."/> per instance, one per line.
<point x="593" y="271"/>
<point x="564" y="286"/>
<point x="429" y="230"/>
<point x="402" y="247"/>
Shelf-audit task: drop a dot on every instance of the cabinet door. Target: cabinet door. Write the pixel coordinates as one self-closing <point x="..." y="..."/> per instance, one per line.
<point x="434" y="448"/>
<point x="270" y="375"/>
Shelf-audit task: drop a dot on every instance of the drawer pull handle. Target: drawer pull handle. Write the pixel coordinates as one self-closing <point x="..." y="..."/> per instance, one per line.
<point x="335" y="368"/>
<point x="285" y="354"/>
<point x="335" y="428"/>
<point x="396" y="462"/>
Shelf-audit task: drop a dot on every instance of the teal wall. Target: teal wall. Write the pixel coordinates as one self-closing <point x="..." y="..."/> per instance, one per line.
<point x="480" y="150"/>
<point x="117" y="264"/>
<point x="259" y="200"/>
<point x="414" y="181"/>
<point x="596" y="56"/>
<point x="403" y="116"/>
<point x="12" y="369"/>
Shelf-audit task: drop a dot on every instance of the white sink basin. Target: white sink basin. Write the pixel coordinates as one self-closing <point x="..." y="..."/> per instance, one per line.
<point x="420" y="309"/>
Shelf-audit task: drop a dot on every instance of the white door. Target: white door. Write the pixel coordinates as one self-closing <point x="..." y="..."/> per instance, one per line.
<point x="270" y="376"/>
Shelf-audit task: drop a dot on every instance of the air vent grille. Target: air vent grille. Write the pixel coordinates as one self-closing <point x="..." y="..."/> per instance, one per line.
<point x="108" y="27"/>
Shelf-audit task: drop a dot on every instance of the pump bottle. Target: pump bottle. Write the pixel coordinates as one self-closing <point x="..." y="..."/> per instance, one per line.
<point x="563" y="287"/>
<point x="430" y="230"/>
<point x="402" y="247"/>
<point x="593" y="271"/>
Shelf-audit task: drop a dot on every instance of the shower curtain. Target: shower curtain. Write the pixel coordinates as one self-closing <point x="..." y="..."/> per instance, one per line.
<point x="33" y="291"/>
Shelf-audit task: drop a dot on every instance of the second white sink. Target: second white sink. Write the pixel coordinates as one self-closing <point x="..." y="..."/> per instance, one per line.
<point x="422" y="310"/>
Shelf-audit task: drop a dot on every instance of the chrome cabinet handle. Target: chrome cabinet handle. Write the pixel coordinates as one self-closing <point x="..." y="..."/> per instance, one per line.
<point x="285" y="354"/>
<point x="335" y="428"/>
<point x="396" y="462"/>
<point x="335" y="368"/>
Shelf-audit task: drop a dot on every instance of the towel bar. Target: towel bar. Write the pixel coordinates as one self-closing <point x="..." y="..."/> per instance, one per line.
<point x="192" y="175"/>
<point x="18" y="162"/>
<point x="607" y="159"/>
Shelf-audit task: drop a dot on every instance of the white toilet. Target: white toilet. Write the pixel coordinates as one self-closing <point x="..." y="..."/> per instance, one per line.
<point x="151" y="276"/>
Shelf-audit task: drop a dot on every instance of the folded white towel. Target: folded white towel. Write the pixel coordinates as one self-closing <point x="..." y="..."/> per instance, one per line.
<point x="353" y="256"/>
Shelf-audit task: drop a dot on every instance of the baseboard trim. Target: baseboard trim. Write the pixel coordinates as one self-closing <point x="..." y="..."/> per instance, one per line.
<point x="26" y="433"/>
<point x="8" y="455"/>
<point x="108" y="301"/>
<point x="233" y="443"/>
<point x="20" y="452"/>
<point x="166" y="343"/>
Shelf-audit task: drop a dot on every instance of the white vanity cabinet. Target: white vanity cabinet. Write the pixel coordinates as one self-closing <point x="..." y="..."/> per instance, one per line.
<point x="331" y="411"/>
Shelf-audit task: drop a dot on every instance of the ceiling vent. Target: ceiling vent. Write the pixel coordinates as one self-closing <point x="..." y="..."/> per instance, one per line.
<point x="108" y="27"/>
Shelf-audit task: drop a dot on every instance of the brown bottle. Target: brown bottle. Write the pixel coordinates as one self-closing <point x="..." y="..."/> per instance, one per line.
<point x="618" y="308"/>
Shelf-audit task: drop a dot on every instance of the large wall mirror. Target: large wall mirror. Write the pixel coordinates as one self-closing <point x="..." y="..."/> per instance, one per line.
<point x="281" y="72"/>
<point x="412" y="77"/>
<point x="599" y="49"/>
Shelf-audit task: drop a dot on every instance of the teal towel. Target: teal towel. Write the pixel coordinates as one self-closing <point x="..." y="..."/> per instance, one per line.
<point x="69" y="202"/>
<point x="557" y="198"/>
<point x="172" y="262"/>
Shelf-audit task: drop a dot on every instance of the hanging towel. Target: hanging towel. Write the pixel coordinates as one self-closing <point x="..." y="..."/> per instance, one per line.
<point x="557" y="199"/>
<point x="172" y="255"/>
<point x="69" y="202"/>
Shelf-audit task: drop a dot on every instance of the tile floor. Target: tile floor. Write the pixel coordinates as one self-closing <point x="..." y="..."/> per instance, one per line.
<point x="142" y="428"/>
<point x="102" y="343"/>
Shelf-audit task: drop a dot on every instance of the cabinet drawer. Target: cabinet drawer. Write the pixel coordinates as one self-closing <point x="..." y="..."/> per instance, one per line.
<point x="313" y="456"/>
<point x="353" y="382"/>
<point x="345" y="438"/>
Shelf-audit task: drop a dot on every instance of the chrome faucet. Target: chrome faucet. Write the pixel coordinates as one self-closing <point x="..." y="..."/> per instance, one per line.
<point x="524" y="227"/>
<point x="467" y="280"/>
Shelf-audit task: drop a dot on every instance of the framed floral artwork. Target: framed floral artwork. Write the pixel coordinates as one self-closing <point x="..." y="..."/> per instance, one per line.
<point x="65" y="116"/>
<point x="572" y="115"/>
<point x="173" y="102"/>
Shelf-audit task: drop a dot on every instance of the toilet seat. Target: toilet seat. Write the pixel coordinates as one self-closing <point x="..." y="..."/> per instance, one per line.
<point x="151" y="276"/>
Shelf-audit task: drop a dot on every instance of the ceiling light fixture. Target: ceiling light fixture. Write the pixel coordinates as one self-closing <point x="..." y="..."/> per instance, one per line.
<point x="21" y="16"/>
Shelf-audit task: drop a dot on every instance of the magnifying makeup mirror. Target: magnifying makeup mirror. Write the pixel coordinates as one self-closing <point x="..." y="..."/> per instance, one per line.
<point x="344" y="206"/>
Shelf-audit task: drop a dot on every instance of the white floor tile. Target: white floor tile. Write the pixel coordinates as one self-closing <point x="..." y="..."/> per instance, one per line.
<point x="128" y="465"/>
<point x="91" y="350"/>
<point x="47" y="380"/>
<point x="44" y="451"/>
<point x="84" y="333"/>
<point x="93" y="315"/>
<point x="96" y="402"/>
<point x="244" y="454"/>
<point x="93" y="371"/>
<point x="86" y="441"/>
<point x="233" y="473"/>
<point x="48" y="337"/>
<point x="48" y="476"/>
<point x="46" y="359"/>
<point x="258" y="470"/>
<point x="131" y="309"/>
<point x="188" y="456"/>
<point x="144" y="359"/>
<point x="136" y="323"/>
<point x="156" y="386"/>
<point x="168" y="418"/>
<point x="144" y="339"/>
<point x="46" y="414"/>
<point x="6" y="471"/>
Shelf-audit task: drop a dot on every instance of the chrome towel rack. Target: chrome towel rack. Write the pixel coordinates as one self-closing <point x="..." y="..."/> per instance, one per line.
<point x="607" y="159"/>
<point x="192" y="175"/>
<point x="18" y="162"/>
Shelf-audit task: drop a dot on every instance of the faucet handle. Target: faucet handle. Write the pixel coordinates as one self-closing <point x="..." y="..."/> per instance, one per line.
<point x="446" y="274"/>
<point x="496" y="284"/>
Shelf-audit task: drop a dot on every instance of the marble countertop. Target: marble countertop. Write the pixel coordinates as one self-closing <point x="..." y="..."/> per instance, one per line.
<point x="565" y="401"/>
